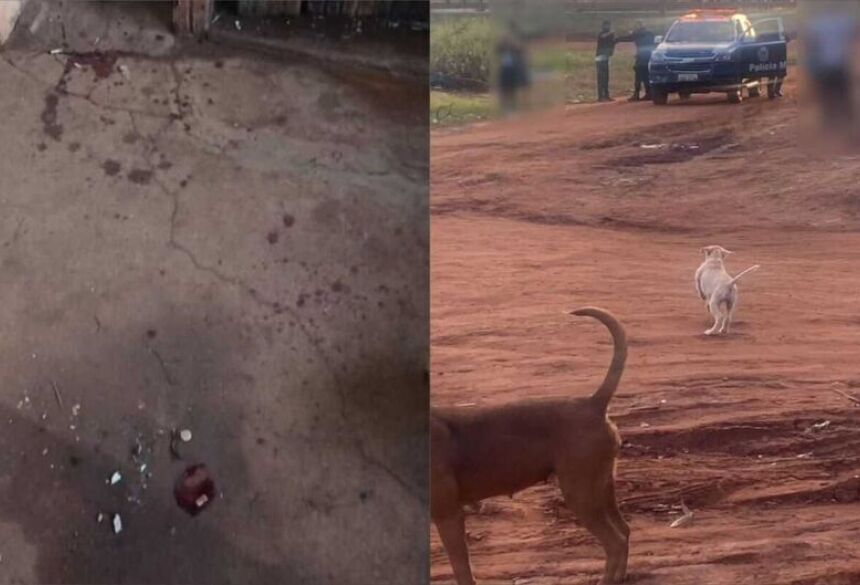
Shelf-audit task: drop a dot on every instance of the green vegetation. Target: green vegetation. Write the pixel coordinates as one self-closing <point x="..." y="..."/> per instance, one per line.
<point x="452" y="108"/>
<point x="460" y="50"/>
<point x="581" y="76"/>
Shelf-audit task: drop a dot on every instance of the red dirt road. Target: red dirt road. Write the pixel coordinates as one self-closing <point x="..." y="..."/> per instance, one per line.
<point x="534" y="217"/>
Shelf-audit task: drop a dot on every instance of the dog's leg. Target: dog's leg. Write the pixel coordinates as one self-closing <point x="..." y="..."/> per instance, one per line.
<point x="620" y="525"/>
<point x="727" y="321"/>
<point x="587" y="499"/>
<point x="716" y="313"/>
<point x="730" y="311"/>
<point x="452" y="531"/>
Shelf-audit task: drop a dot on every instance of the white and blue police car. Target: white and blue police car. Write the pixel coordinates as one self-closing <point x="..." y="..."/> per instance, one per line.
<point x="719" y="51"/>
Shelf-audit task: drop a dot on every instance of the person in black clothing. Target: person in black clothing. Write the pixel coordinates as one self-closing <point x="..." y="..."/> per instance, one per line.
<point x="513" y="70"/>
<point x="605" y="49"/>
<point x="644" y="41"/>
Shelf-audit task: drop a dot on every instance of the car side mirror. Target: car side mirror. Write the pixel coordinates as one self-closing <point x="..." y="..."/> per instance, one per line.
<point x="658" y="39"/>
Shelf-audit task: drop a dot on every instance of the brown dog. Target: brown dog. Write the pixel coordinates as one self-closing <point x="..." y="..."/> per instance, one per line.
<point x="480" y="453"/>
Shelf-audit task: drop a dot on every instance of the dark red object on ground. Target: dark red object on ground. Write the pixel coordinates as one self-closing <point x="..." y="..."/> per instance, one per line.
<point x="194" y="490"/>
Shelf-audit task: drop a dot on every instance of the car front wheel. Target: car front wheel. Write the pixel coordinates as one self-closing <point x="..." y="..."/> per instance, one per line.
<point x="659" y="97"/>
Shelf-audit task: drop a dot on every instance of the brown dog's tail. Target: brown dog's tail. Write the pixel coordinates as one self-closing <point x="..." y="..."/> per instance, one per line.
<point x="604" y="394"/>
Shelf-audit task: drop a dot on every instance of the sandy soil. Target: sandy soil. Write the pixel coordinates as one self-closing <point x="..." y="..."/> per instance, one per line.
<point x="537" y="216"/>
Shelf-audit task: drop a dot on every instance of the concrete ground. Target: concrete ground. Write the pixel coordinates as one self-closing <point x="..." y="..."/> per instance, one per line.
<point x="236" y="245"/>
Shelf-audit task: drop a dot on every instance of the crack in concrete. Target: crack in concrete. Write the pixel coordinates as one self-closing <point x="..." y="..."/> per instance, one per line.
<point x="165" y="371"/>
<point x="173" y="242"/>
<point x="15" y="235"/>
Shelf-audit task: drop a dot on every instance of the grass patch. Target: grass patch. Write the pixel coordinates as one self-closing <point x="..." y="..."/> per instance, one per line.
<point x="574" y="63"/>
<point x="452" y="108"/>
<point x="585" y="25"/>
<point x="460" y="50"/>
<point x="581" y="75"/>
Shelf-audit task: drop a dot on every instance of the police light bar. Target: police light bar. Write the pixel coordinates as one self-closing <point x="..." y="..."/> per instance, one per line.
<point x="710" y="13"/>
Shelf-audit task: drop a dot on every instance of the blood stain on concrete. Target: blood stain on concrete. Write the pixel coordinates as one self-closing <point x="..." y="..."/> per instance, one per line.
<point x="111" y="167"/>
<point x="140" y="176"/>
<point x="49" y="117"/>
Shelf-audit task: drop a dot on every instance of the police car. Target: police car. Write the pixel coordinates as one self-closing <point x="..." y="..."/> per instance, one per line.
<point x="719" y="51"/>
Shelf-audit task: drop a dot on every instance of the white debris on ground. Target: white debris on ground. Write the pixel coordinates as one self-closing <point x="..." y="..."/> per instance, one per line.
<point x="117" y="524"/>
<point x="115" y="478"/>
<point x="818" y="426"/>
<point x="685" y="519"/>
<point x="185" y="435"/>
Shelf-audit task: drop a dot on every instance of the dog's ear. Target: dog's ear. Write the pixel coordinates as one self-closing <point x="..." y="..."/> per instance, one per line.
<point x="706" y="250"/>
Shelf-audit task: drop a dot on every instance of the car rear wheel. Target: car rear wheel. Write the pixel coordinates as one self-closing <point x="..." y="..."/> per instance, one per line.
<point x="659" y="97"/>
<point x="735" y="97"/>
<point x="755" y="92"/>
<point x="685" y="95"/>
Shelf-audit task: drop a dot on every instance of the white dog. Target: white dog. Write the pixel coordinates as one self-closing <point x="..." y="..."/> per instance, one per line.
<point x="718" y="288"/>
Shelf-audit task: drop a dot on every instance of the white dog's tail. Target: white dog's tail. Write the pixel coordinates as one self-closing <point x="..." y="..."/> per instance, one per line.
<point x="604" y="394"/>
<point x="738" y="277"/>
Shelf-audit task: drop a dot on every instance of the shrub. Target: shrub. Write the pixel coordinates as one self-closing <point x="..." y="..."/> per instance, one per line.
<point x="460" y="51"/>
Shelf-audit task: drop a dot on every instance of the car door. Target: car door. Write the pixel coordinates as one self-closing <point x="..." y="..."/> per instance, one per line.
<point x="763" y="49"/>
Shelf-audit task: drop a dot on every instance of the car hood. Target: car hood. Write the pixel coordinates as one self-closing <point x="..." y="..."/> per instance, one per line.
<point x="693" y="46"/>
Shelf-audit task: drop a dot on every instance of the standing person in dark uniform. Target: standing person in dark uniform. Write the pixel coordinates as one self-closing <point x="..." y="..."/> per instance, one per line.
<point x="644" y="41"/>
<point x="513" y="70"/>
<point x="605" y="49"/>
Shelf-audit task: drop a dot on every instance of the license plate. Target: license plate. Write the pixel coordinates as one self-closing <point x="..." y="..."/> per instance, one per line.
<point x="688" y="77"/>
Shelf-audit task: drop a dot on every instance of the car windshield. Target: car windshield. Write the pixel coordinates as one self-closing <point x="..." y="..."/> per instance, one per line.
<point x="702" y="32"/>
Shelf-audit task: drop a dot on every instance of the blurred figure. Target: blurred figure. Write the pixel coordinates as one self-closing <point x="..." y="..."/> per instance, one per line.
<point x="605" y="50"/>
<point x="829" y="38"/>
<point x="777" y="86"/>
<point x="644" y="41"/>
<point x="513" y="70"/>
